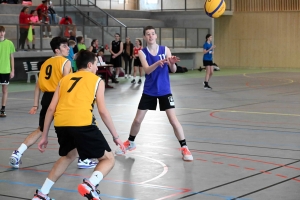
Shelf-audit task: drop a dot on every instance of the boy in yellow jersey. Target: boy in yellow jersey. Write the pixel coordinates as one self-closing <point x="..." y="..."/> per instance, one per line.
<point x="81" y="131"/>
<point x="52" y="71"/>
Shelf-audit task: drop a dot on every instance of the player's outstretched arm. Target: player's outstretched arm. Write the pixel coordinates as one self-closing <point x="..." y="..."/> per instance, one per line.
<point x="105" y="116"/>
<point x="172" y="60"/>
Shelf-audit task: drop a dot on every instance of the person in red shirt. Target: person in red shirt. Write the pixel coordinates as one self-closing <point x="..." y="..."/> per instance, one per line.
<point x="24" y="21"/>
<point x="66" y="20"/>
<point x="42" y="10"/>
<point x="66" y="24"/>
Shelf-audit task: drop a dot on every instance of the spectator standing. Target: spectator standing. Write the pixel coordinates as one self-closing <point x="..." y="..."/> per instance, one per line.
<point x="7" y="69"/>
<point x="24" y="21"/>
<point x="136" y="60"/>
<point x="116" y="49"/>
<point x="42" y="10"/>
<point x="208" y="51"/>
<point x="127" y="56"/>
<point x="35" y="20"/>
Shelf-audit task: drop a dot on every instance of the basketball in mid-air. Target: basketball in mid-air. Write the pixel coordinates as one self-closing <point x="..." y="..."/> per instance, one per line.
<point x="214" y="8"/>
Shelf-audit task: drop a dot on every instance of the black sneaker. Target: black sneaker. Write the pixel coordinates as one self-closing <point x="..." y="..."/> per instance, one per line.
<point x="2" y="113"/>
<point x="206" y="86"/>
<point x="133" y="81"/>
<point x="115" y="81"/>
<point x="140" y="81"/>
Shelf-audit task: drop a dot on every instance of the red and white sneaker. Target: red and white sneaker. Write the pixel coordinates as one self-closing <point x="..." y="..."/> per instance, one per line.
<point x="186" y="154"/>
<point x="129" y="145"/>
<point x="40" y="196"/>
<point x="88" y="190"/>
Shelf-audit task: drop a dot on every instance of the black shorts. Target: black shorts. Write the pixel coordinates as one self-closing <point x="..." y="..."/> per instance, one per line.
<point x="88" y="140"/>
<point x="148" y="102"/>
<point x="116" y="62"/>
<point x="33" y="32"/>
<point x="137" y="62"/>
<point x="207" y="63"/>
<point x="46" y="100"/>
<point x="4" y="79"/>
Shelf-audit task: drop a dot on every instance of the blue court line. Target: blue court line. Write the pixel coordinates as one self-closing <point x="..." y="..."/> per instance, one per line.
<point x="105" y="195"/>
<point x="60" y="189"/>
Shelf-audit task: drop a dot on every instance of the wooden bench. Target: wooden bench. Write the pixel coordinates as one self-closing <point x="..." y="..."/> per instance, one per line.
<point x="31" y="70"/>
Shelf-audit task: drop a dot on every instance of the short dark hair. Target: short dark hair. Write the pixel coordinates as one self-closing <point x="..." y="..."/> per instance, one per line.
<point x="2" y="29"/>
<point x="148" y="28"/>
<point x="24" y="8"/>
<point x="207" y="36"/>
<point x="79" y="39"/>
<point x="139" y="41"/>
<point x="83" y="58"/>
<point x="93" y="41"/>
<point x="57" y="41"/>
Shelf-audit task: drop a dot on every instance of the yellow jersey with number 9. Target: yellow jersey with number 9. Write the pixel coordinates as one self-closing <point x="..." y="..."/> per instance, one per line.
<point x="77" y="92"/>
<point x="51" y="72"/>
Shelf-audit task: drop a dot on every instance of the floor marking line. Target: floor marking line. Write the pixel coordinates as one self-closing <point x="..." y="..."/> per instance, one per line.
<point x="165" y="169"/>
<point x="240" y="179"/>
<point x="236" y="198"/>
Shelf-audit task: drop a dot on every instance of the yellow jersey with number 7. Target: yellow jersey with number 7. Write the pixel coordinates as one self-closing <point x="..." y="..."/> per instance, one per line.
<point x="77" y="93"/>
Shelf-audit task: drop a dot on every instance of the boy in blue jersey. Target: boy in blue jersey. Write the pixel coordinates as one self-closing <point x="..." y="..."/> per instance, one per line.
<point x="156" y="61"/>
<point x="208" y="51"/>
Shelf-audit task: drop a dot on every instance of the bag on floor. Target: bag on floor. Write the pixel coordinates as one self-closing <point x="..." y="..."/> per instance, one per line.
<point x="216" y="68"/>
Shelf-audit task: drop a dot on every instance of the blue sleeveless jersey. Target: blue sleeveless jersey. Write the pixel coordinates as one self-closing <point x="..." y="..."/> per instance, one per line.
<point x="157" y="83"/>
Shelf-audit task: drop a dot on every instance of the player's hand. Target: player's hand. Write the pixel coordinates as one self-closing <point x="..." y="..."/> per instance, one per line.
<point x="214" y="46"/>
<point x="43" y="144"/>
<point x="12" y="74"/>
<point x="173" y="59"/>
<point x="161" y="62"/>
<point x="33" y="110"/>
<point x="119" y="143"/>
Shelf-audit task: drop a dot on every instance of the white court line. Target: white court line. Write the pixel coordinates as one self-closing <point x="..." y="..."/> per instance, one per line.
<point x="161" y="174"/>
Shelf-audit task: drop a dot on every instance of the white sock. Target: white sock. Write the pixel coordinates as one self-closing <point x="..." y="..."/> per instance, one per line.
<point x="96" y="177"/>
<point x="50" y="33"/>
<point x="22" y="148"/>
<point x="44" y="33"/>
<point x="117" y="76"/>
<point x="47" y="186"/>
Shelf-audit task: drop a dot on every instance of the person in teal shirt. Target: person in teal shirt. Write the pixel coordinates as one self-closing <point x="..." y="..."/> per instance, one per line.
<point x="71" y="55"/>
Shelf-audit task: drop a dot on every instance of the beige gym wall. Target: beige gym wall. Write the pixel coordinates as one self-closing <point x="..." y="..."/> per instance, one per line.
<point x="260" y="38"/>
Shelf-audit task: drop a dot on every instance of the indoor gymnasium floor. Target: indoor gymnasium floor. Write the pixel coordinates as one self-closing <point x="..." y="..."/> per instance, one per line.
<point x="244" y="136"/>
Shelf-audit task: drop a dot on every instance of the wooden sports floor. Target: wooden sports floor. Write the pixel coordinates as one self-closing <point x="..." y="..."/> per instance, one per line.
<point x="244" y="136"/>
